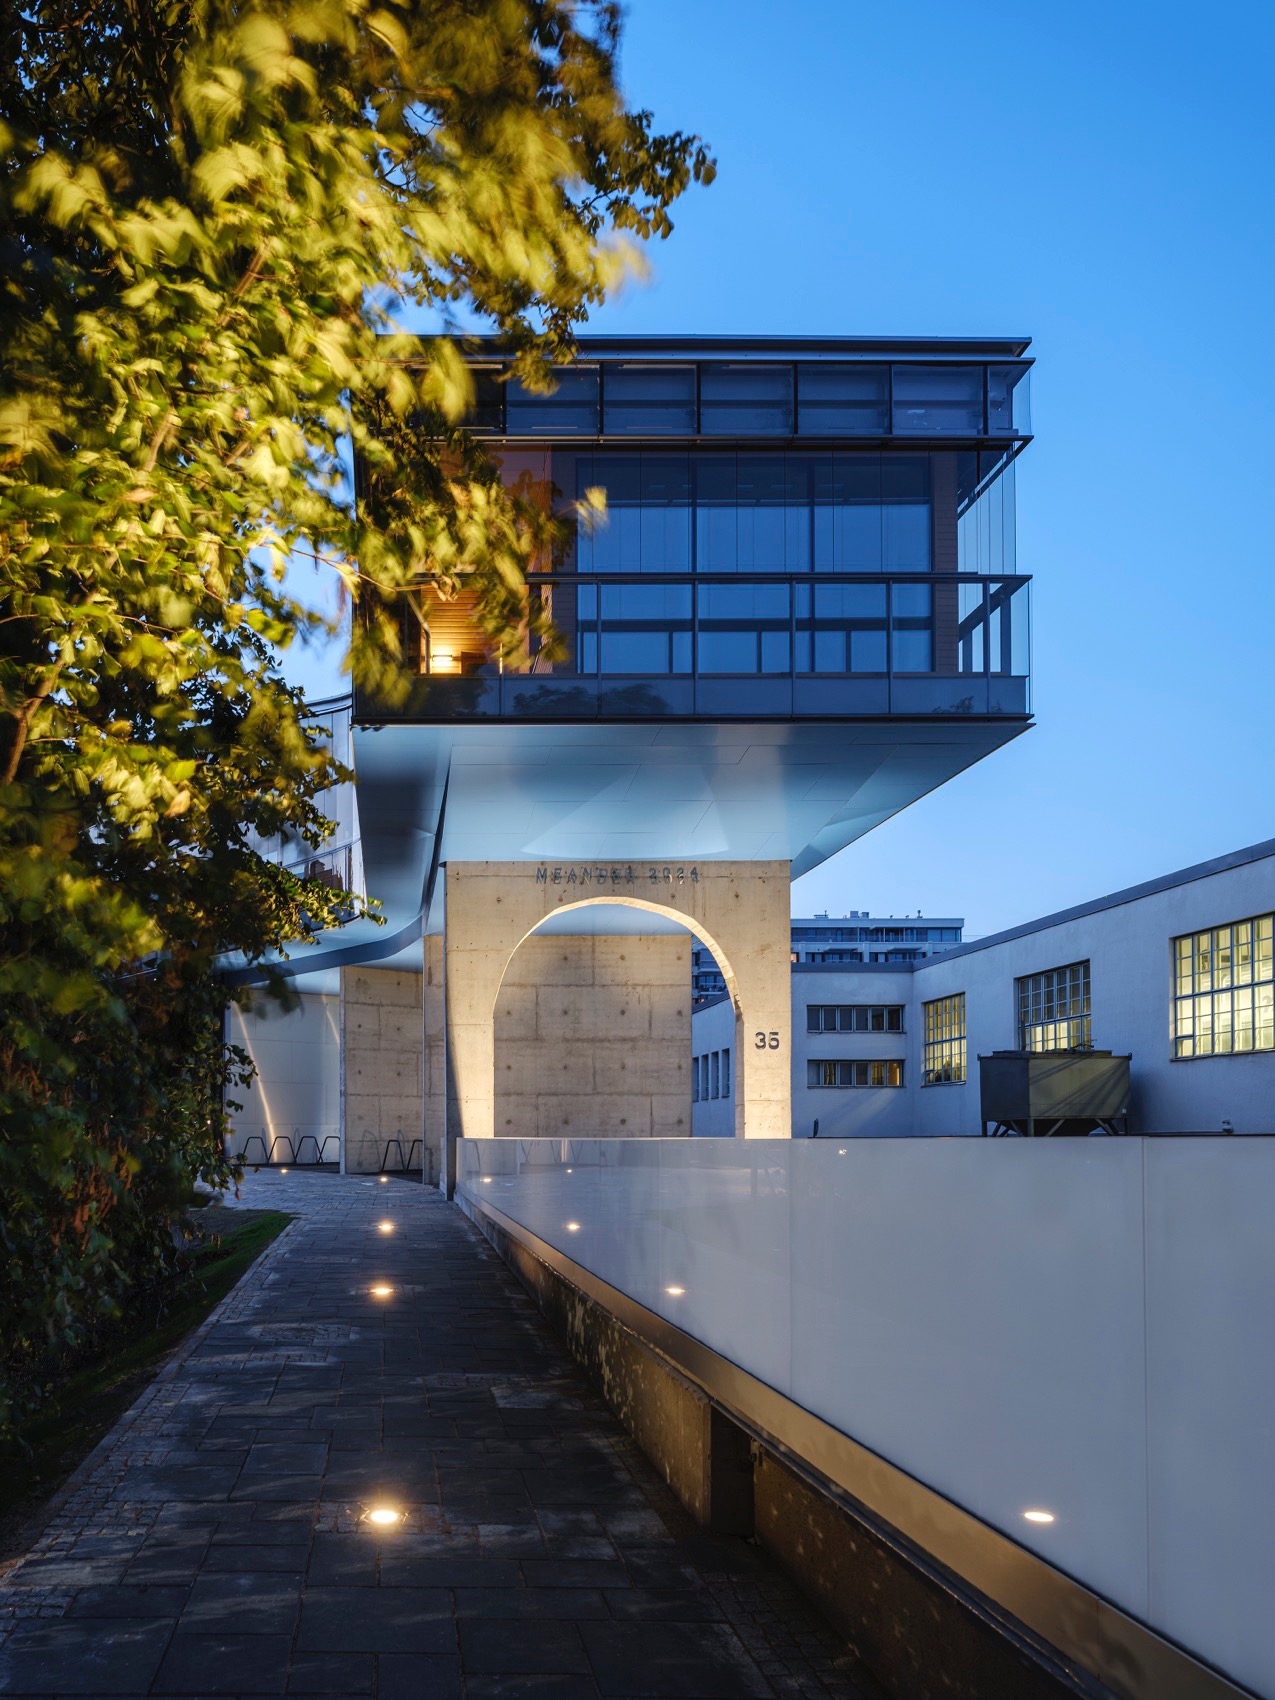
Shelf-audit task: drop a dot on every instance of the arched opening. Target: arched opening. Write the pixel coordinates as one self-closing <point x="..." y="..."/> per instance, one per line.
<point x="592" y="1027"/>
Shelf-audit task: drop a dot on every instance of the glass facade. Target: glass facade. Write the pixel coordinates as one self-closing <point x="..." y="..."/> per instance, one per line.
<point x="856" y="558"/>
<point x="1224" y="990"/>
<point x="829" y="1072"/>
<point x="943" y="1046"/>
<point x="761" y="397"/>
<point x="1053" y="1010"/>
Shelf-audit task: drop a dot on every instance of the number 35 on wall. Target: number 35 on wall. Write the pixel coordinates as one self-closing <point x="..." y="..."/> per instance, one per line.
<point x="765" y="1041"/>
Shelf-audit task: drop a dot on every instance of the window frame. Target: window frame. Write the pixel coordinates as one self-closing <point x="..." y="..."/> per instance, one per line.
<point x="1241" y="987"/>
<point x="846" y="1070"/>
<point x="942" y="1044"/>
<point x="1046" y="980"/>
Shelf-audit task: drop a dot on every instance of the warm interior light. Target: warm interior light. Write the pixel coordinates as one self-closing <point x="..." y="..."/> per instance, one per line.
<point x="1039" y="1516"/>
<point x="441" y="662"/>
<point x="383" y="1514"/>
<point x="386" y="1227"/>
<point x="381" y="1292"/>
<point x="675" y="1292"/>
<point x="573" y="1227"/>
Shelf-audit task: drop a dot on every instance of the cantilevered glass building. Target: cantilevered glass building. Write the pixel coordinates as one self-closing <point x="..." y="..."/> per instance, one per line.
<point x="811" y="538"/>
<point x="799" y="610"/>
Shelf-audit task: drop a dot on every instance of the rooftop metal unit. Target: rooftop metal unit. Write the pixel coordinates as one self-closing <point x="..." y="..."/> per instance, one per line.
<point x="1037" y="1094"/>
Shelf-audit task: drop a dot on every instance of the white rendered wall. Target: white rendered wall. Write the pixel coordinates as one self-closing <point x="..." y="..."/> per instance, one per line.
<point x="297" y="1092"/>
<point x="1128" y="948"/>
<point x="1076" y="1326"/>
<point x="714" y="1029"/>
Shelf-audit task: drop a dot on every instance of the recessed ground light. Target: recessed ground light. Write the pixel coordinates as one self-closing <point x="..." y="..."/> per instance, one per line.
<point x="486" y="1180"/>
<point x="384" y="1178"/>
<point x="573" y="1227"/>
<point x="384" y="1515"/>
<point x="841" y="1152"/>
<point x="386" y="1227"/>
<point x="283" y="1171"/>
<point x="1039" y="1516"/>
<point x="381" y="1292"/>
<point x="675" y="1292"/>
<point x="569" y="1171"/>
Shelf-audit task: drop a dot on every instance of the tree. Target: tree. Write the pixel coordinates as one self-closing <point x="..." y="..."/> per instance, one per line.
<point x="214" y="214"/>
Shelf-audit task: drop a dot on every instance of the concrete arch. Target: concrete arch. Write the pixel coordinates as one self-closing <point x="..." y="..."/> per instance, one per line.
<point x="738" y="909"/>
<point x="597" y="1048"/>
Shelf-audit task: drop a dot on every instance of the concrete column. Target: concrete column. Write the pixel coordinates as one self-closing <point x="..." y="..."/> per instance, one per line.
<point x="739" y="909"/>
<point x="380" y="1065"/>
<point x="433" y="1006"/>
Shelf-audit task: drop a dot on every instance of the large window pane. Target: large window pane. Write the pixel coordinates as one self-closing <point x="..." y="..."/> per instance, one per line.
<point x="746" y="400"/>
<point x="1008" y="400"/>
<point x="842" y="630"/>
<point x="839" y="398"/>
<point x="666" y="513"/>
<point x="911" y="629"/>
<point x="649" y="400"/>
<point x="645" y="629"/>
<point x="933" y="400"/>
<point x="571" y="411"/>
<point x="905" y="513"/>
<point x="744" y="628"/>
<point x="1224" y="991"/>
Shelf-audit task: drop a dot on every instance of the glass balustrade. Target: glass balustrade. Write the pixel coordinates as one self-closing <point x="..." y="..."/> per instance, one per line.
<point x="819" y="645"/>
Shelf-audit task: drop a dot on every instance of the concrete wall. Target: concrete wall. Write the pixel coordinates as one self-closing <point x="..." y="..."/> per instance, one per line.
<point x="738" y="909"/>
<point x="297" y="1092"/>
<point x="593" y="1038"/>
<point x="381" y="1074"/>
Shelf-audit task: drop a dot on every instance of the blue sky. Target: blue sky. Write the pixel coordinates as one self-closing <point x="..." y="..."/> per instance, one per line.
<point x="1096" y="177"/>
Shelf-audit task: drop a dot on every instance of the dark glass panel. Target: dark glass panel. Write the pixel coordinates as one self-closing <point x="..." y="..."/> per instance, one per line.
<point x="666" y="513"/>
<point x="1007" y="396"/>
<point x="612" y="542"/>
<point x="743" y="628"/>
<point x="486" y="414"/>
<point x="649" y="400"/>
<point x="847" y="632"/>
<point x="905" y="513"/>
<point x="645" y="629"/>
<point x="763" y="516"/>
<point x="571" y="411"/>
<point x="930" y="400"/>
<point x="716" y="513"/>
<point x="746" y="400"/>
<point x="911" y="629"/>
<point x="842" y="399"/>
<point x="847" y="513"/>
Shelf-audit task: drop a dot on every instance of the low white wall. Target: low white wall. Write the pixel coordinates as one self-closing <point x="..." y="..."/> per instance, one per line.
<point x="297" y="1093"/>
<point x="1079" y="1326"/>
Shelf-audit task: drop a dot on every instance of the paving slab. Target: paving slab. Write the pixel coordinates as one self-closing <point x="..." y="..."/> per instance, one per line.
<point x="219" y="1541"/>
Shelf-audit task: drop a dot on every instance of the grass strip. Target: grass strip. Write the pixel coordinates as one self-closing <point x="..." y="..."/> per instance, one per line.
<point x="101" y="1390"/>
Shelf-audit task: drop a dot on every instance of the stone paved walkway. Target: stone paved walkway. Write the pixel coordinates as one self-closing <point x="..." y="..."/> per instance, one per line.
<point x="217" y="1543"/>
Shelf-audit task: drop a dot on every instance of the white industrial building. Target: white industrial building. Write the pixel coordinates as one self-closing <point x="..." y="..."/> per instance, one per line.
<point x="1175" y="973"/>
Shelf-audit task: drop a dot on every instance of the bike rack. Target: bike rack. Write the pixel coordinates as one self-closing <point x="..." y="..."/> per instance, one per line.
<point x="385" y="1158"/>
<point x="282" y="1139"/>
